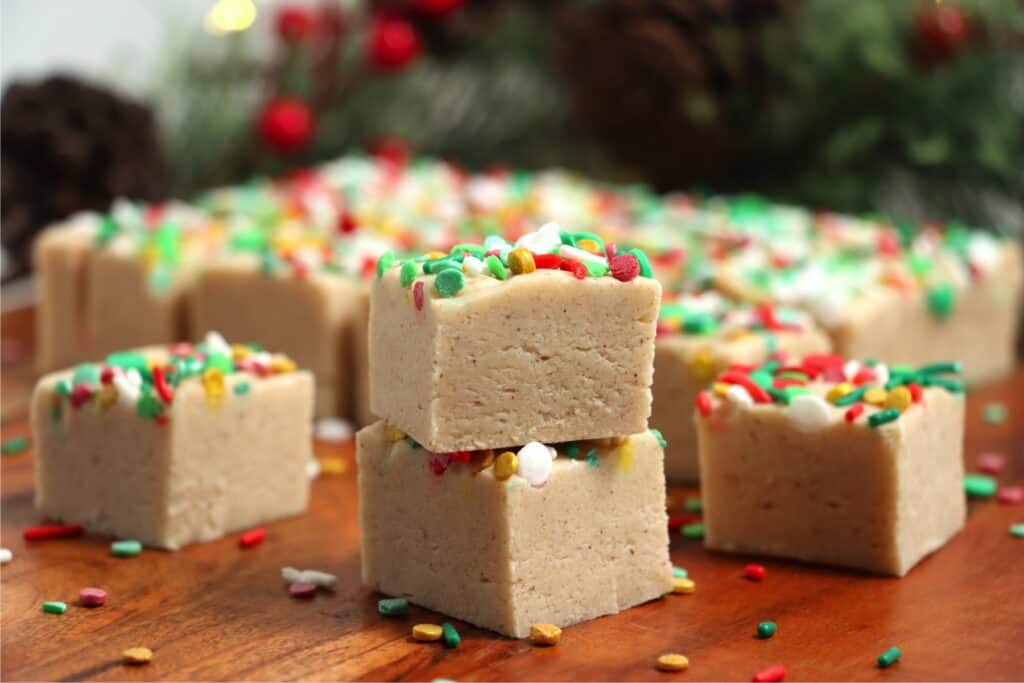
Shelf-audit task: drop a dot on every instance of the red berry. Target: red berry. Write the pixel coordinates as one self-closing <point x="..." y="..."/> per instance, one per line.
<point x="438" y="8"/>
<point x="393" y="44"/>
<point x="624" y="267"/>
<point x="286" y="124"/>
<point x="293" y="23"/>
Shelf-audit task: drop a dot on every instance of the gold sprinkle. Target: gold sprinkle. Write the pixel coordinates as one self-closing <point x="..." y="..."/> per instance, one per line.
<point x="482" y="459"/>
<point x="899" y="398"/>
<point x="875" y="396"/>
<point x="683" y="586"/>
<point x="106" y="397"/>
<point x="333" y="466"/>
<point x="282" y="364"/>
<point x="137" y="655"/>
<point x="239" y="352"/>
<point x="673" y="662"/>
<point x="545" y="634"/>
<point x="426" y="632"/>
<point x="702" y="365"/>
<point x="393" y="433"/>
<point x="838" y="391"/>
<point x="521" y="262"/>
<point x="505" y="465"/>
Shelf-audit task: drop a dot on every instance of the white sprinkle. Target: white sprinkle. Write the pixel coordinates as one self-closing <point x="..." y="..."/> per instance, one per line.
<point x="739" y="396"/>
<point x="5" y="555"/>
<point x="881" y="373"/>
<point x="320" y="579"/>
<point x="577" y="254"/>
<point x="850" y="370"/>
<point x="472" y="266"/>
<point x="128" y="386"/>
<point x="215" y="343"/>
<point x="546" y="238"/>
<point x="553" y="452"/>
<point x="332" y="430"/>
<point x="312" y="468"/>
<point x="808" y="412"/>
<point x="534" y="463"/>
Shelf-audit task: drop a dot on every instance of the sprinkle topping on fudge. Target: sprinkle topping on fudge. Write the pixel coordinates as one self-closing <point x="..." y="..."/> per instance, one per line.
<point x="822" y="383"/>
<point x="146" y="382"/>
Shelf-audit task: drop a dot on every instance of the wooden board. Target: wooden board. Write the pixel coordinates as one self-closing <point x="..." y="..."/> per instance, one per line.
<point x="215" y="611"/>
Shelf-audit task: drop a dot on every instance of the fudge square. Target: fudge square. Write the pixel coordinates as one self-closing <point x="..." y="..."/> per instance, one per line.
<point x="835" y="463"/>
<point x="491" y="346"/>
<point x="173" y="445"/>
<point x="506" y="539"/>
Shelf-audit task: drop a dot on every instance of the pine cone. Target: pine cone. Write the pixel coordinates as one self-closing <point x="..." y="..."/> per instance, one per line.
<point x="654" y="80"/>
<point x="70" y="146"/>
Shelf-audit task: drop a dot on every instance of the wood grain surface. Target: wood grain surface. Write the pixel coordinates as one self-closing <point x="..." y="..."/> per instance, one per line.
<point x="215" y="611"/>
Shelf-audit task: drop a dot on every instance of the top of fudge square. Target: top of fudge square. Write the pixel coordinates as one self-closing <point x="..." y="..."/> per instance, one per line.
<point x="145" y="380"/>
<point x="709" y="314"/>
<point x="823" y="389"/>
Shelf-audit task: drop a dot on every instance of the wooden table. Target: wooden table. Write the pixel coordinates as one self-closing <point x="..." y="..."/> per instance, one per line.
<point x="215" y="611"/>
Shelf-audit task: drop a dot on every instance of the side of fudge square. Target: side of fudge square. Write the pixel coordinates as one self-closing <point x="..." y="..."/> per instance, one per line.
<point x="833" y="463"/>
<point x="507" y="541"/>
<point x="173" y="445"/>
<point x="491" y="346"/>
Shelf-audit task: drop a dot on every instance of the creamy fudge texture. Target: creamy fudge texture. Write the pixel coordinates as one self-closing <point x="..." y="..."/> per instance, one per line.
<point x="61" y="256"/>
<point x="833" y="468"/>
<point x="171" y="446"/>
<point x="700" y="337"/>
<point x="486" y="545"/>
<point x="542" y="356"/>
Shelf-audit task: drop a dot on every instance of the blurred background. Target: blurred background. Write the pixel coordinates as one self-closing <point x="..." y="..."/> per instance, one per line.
<point x="909" y="108"/>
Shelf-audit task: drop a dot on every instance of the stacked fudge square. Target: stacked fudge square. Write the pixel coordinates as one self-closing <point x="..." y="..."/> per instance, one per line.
<point x="512" y="480"/>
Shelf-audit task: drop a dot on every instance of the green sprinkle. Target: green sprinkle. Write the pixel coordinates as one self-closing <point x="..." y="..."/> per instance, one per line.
<point x="128" y="360"/>
<point x="127" y="548"/>
<point x="700" y="323"/>
<point x="107" y="229"/>
<point x="766" y="629"/>
<point x="994" y="413"/>
<point x="577" y="236"/>
<point x="566" y="238"/>
<point x="792" y="391"/>
<point x="1017" y="530"/>
<point x="408" y="274"/>
<point x="221" y="361"/>
<point x="393" y="607"/>
<point x="496" y="267"/>
<point x="572" y="450"/>
<point x="472" y="249"/>
<point x="55" y="607"/>
<point x="645" y="264"/>
<point x="980" y="485"/>
<point x="680" y="573"/>
<point x="889" y="657"/>
<point x="941" y="300"/>
<point x="949" y="368"/>
<point x="693" y="504"/>
<point x="884" y="416"/>
<point x="384" y="262"/>
<point x="592" y="458"/>
<point x="149" y="406"/>
<point x="661" y="439"/>
<point x="450" y="636"/>
<point x="86" y="373"/>
<point x="761" y="378"/>
<point x="449" y="282"/>
<point x="412" y="442"/>
<point x="241" y="389"/>
<point x="694" y="530"/>
<point x="595" y="269"/>
<point x="437" y="265"/>
<point x="63" y="388"/>
<point x="950" y="385"/>
<point x="14" y="445"/>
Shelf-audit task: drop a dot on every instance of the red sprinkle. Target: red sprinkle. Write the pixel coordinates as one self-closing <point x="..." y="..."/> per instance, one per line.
<point x="991" y="463"/>
<point x="460" y="456"/>
<point x="854" y="411"/>
<point x="438" y="463"/>
<point x="754" y="572"/>
<point x="703" y="402"/>
<point x="301" y="589"/>
<point x="346" y="223"/>
<point x="548" y="261"/>
<point x="252" y="537"/>
<point x="160" y="384"/>
<point x="610" y="249"/>
<point x="37" y="533"/>
<point x="756" y="392"/>
<point x="677" y="522"/>
<point x="624" y="267"/>
<point x="863" y="376"/>
<point x="1011" y="495"/>
<point x="574" y="267"/>
<point x="887" y="244"/>
<point x="80" y="395"/>
<point x="916" y="392"/>
<point x="417" y="295"/>
<point x="106" y="375"/>
<point x="772" y="673"/>
<point x="92" y="597"/>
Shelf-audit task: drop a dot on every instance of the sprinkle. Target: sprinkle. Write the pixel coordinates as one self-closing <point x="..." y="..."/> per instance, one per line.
<point x="126" y="548"/>
<point x="53" y="531"/>
<point x="944" y="368"/>
<point x="543" y="240"/>
<point x="496" y="267"/>
<point x="1017" y="530"/>
<point x="994" y="413"/>
<point x="393" y="607"/>
<point x="766" y="629"/>
<point x="92" y="597"/>
<point x="642" y="260"/>
<point x="302" y="589"/>
<point x="679" y="573"/>
<point x="449" y="282"/>
<point x="754" y="572"/>
<point x="673" y="662"/>
<point x="252" y="537"/>
<point x="1011" y="495"/>
<point x="703" y="402"/>
<point x="677" y="522"/>
<point x="427" y="632"/>
<point x="534" y="463"/>
<point x="6" y="555"/>
<point x="521" y="261"/>
<point x="693" y="504"/>
<point x="505" y="465"/>
<point x="889" y="657"/>
<point x="694" y="530"/>
<point x="838" y="391"/>
<point x="547" y="261"/>
<point x="851" y="398"/>
<point x="875" y="396"/>
<point x="472" y="266"/>
<point x="417" y="295"/>
<point x="808" y="412"/>
<point x="991" y="463"/>
<point x="393" y="433"/>
<point x="545" y="634"/>
<point x="853" y="412"/>
<point x="657" y="435"/>
<point x="385" y="261"/>
<point x="213" y="384"/>
<point x="883" y="417"/>
<point x="624" y="267"/>
<point x="592" y="459"/>
<point x="14" y="445"/>
<point x="407" y="274"/>
<point x="317" y="578"/>
<point x="979" y="485"/>
<point x="899" y="398"/>
<point x="770" y="675"/>
<point x="941" y="300"/>
<point x="137" y="656"/>
<point x="160" y="385"/>
<point x="682" y="585"/>
<point x="746" y="381"/>
<point x="312" y="468"/>
<point x="55" y="607"/>
<point x="739" y="396"/>
<point x="242" y="389"/>
<point x="332" y="430"/>
<point x="450" y="636"/>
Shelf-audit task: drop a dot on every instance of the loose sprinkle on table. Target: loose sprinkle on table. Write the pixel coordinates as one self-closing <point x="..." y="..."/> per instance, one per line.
<point x="426" y="633"/>
<point x="772" y="673"/>
<point x="980" y="485"/>
<point x="693" y="504"/>
<point x="334" y="467"/>
<point x="127" y="548"/>
<point x="683" y="586"/>
<point x="450" y="636"/>
<point x="766" y="629"/>
<point x="754" y="572"/>
<point x="545" y="634"/>
<point x="1011" y="495"/>
<point x="5" y="555"/>
<point x="14" y="445"/>
<point x="679" y="573"/>
<point x="137" y="655"/>
<point x="1017" y="530"/>
<point x="991" y="463"/>
<point x="673" y="662"/>
<point x="889" y="657"/>
<point x="393" y="607"/>
<point x="92" y="597"/>
<point x="994" y="413"/>
<point x="694" y="530"/>
<point x="302" y="589"/>
<point x="332" y="430"/>
<point x="252" y="537"/>
<point x="55" y="607"/>
<point x="317" y="578"/>
<point x="37" y="533"/>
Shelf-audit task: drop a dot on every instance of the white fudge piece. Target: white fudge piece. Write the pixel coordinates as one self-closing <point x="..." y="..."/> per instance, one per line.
<point x="591" y="540"/>
<point x="228" y="452"/>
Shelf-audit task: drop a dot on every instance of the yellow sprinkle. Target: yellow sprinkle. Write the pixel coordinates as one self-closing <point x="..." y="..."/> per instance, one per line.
<point x="482" y="459"/>
<point x="239" y="352"/>
<point x="426" y="632"/>
<point x="838" y="391"/>
<point x="521" y="261"/>
<point x="702" y="365"/>
<point x="333" y="466"/>
<point x="682" y="586"/>
<point x="137" y="655"/>
<point x="106" y="397"/>
<point x="673" y="662"/>
<point x="213" y="383"/>
<point x="434" y="255"/>
<point x="589" y="245"/>
<point x="738" y="333"/>
<point x="875" y="396"/>
<point x="393" y="433"/>
<point x="625" y="453"/>
<point x="720" y="388"/>
<point x="545" y="634"/>
<point x="281" y="364"/>
<point x="899" y="398"/>
<point x="505" y="465"/>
